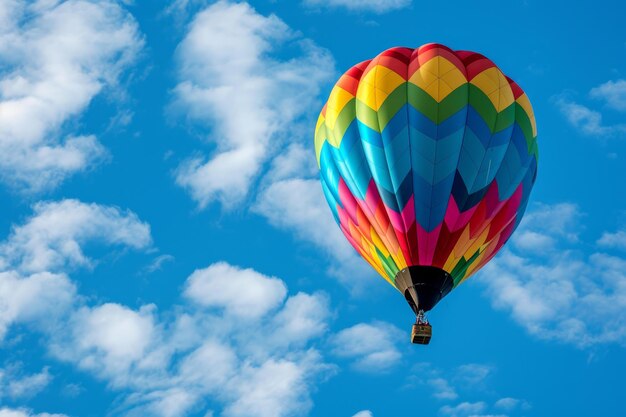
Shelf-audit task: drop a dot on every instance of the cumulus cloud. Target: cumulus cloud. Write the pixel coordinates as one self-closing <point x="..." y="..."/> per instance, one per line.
<point x="509" y="404"/>
<point x="33" y="286"/>
<point x="371" y="347"/>
<point x="364" y="413"/>
<point x="298" y="204"/>
<point x="52" y="237"/>
<point x="241" y="292"/>
<point x="252" y="356"/>
<point x="611" y="92"/>
<point x="57" y="56"/>
<point x="376" y="6"/>
<point x="36" y="298"/>
<point x="232" y="83"/>
<point x="171" y="364"/>
<point x="561" y="293"/>
<point x="616" y="240"/>
<point x="109" y="339"/>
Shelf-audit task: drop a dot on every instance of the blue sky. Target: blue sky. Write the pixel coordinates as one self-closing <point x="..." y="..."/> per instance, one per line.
<point x="165" y="249"/>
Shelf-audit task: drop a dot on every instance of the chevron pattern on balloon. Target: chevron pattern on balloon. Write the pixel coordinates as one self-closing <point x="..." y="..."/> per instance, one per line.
<point x="427" y="157"/>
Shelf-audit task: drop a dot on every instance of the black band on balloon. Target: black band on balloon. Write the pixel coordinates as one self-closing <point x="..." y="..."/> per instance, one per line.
<point x="423" y="286"/>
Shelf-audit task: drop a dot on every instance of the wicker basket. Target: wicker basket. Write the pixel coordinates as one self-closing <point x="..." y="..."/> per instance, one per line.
<point x="421" y="334"/>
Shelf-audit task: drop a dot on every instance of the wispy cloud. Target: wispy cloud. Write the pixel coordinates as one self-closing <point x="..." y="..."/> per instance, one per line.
<point x="57" y="56"/>
<point x="591" y="121"/>
<point x="371" y="346"/>
<point x="613" y="93"/>
<point x="157" y="263"/>
<point x="463" y="409"/>
<point x="16" y="384"/>
<point x="587" y="120"/>
<point x="233" y="82"/>
<point x="561" y="293"/>
<point x="375" y="6"/>
<point x="23" y="412"/>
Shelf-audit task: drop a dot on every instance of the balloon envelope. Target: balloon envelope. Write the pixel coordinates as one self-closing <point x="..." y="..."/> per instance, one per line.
<point x="427" y="159"/>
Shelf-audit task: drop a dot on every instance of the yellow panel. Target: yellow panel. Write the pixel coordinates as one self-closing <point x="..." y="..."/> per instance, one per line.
<point x="462" y="243"/>
<point x="438" y="77"/>
<point x="451" y="262"/>
<point x="478" y="242"/>
<point x="377" y="268"/>
<point x="401" y="262"/>
<point x="485" y="250"/>
<point x="378" y="243"/>
<point x="495" y="85"/>
<point x="376" y="86"/>
<point x="336" y="102"/>
<point x="320" y="136"/>
<point x="524" y="102"/>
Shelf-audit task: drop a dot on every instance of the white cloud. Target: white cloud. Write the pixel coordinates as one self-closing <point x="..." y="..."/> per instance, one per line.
<point x="241" y="292"/>
<point x="507" y="403"/>
<point x="57" y="56"/>
<point x="274" y="389"/>
<point x="31" y="289"/>
<point x="364" y="413"/>
<point x="473" y="374"/>
<point x="588" y="121"/>
<point x="157" y="263"/>
<point x="446" y="385"/>
<point x="376" y="6"/>
<point x="231" y="81"/>
<point x="561" y="293"/>
<point x="109" y="339"/>
<point x="52" y="237"/>
<point x="544" y="226"/>
<point x="22" y="412"/>
<point x="372" y="347"/>
<point x="615" y="240"/>
<point x="298" y="204"/>
<point x="488" y="415"/>
<point x="463" y="409"/>
<point x="15" y="384"/>
<point x="169" y="365"/>
<point x="612" y="92"/>
<point x="442" y="389"/>
<point x="37" y="298"/>
<point x="297" y="161"/>
<point x="303" y="317"/>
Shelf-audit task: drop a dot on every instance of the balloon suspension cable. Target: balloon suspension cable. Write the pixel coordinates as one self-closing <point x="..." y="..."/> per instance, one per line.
<point x="421" y="318"/>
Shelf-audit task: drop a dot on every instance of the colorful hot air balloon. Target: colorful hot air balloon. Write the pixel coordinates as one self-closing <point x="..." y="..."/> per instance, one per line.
<point x="427" y="159"/>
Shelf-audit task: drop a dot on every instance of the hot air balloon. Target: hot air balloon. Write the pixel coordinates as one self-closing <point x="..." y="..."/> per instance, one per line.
<point x="427" y="158"/>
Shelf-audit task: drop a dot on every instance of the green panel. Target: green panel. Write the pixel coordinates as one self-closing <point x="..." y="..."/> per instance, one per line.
<point x="347" y="115"/>
<point x="394" y="102"/>
<point x="367" y="115"/>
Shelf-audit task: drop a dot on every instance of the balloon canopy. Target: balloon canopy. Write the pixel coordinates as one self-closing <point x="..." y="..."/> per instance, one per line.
<point x="427" y="159"/>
